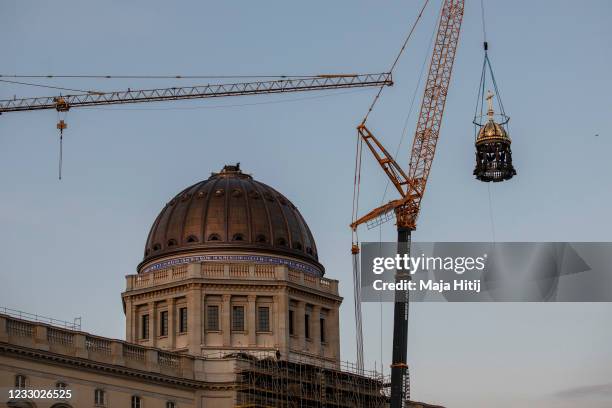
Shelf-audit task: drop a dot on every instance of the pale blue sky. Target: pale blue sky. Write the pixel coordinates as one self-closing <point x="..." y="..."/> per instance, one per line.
<point x="67" y="245"/>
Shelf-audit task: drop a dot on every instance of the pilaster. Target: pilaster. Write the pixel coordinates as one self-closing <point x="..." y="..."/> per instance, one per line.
<point x="225" y="320"/>
<point x="251" y="320"/>
<point x="194" y="321"/>
<point x="172" y="323"/>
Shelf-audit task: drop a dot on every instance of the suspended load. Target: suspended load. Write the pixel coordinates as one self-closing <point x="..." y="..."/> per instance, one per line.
<point x="493" y="153"/>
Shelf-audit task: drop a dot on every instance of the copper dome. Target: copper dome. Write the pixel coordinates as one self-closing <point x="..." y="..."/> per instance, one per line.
<point x="230" y="211"/>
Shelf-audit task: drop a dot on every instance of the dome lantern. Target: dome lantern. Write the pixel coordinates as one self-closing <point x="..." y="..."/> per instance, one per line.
<point x="493" y="153"/>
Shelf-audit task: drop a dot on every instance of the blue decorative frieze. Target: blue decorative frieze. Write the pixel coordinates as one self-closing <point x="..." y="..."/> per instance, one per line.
<point x="261" y="259"/>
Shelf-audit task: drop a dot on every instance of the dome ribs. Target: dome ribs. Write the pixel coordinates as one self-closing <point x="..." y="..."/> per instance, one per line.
<point x="236" y="212"/>
<point x="270" y="236"/>
<point x="176" y="223"/>
<point x="184" y="225"/>
<point x="215" y="221"/>
<point x="230" y="212"/>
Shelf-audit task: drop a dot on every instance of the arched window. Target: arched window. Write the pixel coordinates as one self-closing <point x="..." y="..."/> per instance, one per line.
<point x="20" y="381"/>
<point x="61" y="385"/>
<point x="214" y="237"/>
<point x="261" y="239"/>
<point x="156" y="247"/>
<point x="136" y="402"/>
<point x="297" y="245"/>
<point x="99" y="397"/>
<point x="238" y="237"/>
<point x="172" y="242"/>
<point x="191" y="239"/>
<point x="281" y="242"/>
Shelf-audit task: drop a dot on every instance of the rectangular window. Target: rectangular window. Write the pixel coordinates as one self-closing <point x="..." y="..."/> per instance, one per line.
<point x="322" y="323"/>
<point x="263" y="319"/>
<point x="238" y="318"/>
<point x="291" y="326"/>
<point x="212" y="318"/>
<point x="144" y="327"/>
<point x="170" y="404"/>
<point x="307" y="326"/>
<point x="163" y="323"/>
<point x="183" y="320"/>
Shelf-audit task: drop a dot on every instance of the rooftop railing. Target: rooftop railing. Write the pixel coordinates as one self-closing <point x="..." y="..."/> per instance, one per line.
<point x="20" y="314"/>
<point x="215" y="270"/>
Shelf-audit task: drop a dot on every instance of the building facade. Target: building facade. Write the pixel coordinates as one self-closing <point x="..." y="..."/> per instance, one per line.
<point x="229" y="307"/>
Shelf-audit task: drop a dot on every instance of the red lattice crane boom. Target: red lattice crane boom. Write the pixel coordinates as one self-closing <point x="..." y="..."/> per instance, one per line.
<point x="411" y="186"/>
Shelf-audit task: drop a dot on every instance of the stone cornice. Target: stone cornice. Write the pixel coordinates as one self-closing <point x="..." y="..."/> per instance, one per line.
<point x="90" y="365"/>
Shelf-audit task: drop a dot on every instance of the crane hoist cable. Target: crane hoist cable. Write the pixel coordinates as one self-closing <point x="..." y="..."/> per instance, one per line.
<point x="491" y="132"/>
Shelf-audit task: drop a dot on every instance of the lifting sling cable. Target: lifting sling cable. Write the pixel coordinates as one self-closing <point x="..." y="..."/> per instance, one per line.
<point x="356" y="192"/>
<point x="399" y="54"/>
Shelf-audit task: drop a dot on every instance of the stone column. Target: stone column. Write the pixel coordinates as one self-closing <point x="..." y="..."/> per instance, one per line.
<point x="281" y="319"/>
<point x="135" y="323"/>
<point x="225" y="320"/>
<point x="300" y="312"/>
<point x="315" y="329"/>
<point x="251" y="319"/>
<point x="194" y="320"/>
<point x="152" y="310"/>
<point x="333" y="327"/>
<point x="171" y="323"/>
<point x="128" y="320"/>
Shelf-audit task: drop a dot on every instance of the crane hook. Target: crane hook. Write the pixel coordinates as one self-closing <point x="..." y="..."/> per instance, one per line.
<point x="61" y="125"/>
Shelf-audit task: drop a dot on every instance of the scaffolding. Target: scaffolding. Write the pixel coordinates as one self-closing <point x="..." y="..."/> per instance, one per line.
<point x="273" y="382"/>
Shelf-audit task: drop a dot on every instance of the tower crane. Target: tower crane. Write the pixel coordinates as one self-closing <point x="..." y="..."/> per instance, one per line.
<point x="63" y="103"/>
<point x="411" y="184"/>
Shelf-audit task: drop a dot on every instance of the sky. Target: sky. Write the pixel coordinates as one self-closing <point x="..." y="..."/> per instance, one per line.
<point x="66" y="245"/>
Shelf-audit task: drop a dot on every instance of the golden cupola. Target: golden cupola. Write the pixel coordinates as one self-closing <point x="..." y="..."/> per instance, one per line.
<point x="493" y="153"/>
